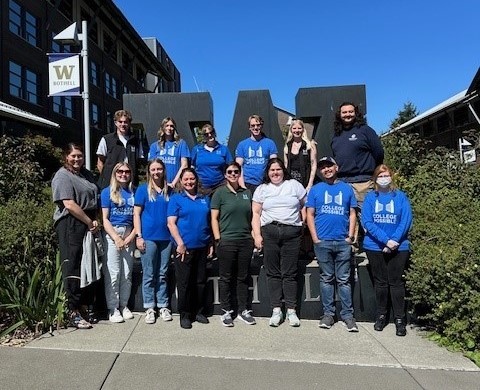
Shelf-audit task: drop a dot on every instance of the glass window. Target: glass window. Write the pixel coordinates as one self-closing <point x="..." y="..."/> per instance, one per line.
<point x="94" y="114"/>
<point x="110" y="122"/>
<point x="23" y="23"/>
<point x="63" y="105"/>
<point x="24" y="83"/>
<point x="94" y="73"/>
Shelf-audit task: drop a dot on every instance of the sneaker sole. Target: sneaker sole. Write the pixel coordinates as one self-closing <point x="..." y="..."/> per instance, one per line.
<point x="324" y="326"/>
<point x="227" y="325"/>
<point x="352" y="330"/>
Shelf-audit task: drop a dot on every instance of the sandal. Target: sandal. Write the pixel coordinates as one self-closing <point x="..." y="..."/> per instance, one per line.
<point x="77" y="321"/>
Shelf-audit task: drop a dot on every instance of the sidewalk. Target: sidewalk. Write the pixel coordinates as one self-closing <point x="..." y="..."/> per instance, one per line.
<point x="137" y="356"/>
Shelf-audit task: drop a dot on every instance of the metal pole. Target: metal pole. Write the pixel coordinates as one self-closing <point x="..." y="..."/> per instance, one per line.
<point x="85" y="94"/>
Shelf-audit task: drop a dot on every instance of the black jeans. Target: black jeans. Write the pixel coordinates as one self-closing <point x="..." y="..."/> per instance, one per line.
<point x="281" y="247"/>
<point x="70" y="233"/>
<point x="191" y="276"/>
<point x="234" y="258"/>
<point x="388" y="269"/>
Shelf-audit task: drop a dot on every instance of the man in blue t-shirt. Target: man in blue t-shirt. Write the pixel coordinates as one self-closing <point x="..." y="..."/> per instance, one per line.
<point x="331" y="220"/>
<point x="253" y="154"/>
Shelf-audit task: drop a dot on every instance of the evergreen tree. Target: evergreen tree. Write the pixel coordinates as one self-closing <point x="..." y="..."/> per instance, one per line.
<point x="408" y="112"/>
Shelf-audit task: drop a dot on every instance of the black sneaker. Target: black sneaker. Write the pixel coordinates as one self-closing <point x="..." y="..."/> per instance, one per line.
<point x="380" y="323"/>
<point x="247" y="317"/>
<point x="185" y="323"/>
<point x="202" y="319"/>
<point x="226" y="318"/>
<point x="401" y="327"/>
<point x="326" y="322"/>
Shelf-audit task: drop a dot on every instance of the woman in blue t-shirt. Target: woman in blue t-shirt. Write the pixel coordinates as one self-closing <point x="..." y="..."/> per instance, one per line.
<point x="387" y="219"/>
<point x="117" y="211"/>
<point x="153" y="240"/>
<point x="189" y="225"/>
<point x="171" y="149"/>
<point x="209" y="159"/>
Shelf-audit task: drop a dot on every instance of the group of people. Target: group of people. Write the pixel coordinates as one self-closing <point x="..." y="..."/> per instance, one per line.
<point x="204" y="201"/>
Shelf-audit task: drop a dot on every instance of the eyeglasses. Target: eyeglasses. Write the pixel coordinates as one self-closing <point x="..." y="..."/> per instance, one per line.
<point x="123" y="171"/>
<point x="233" y="171"/>
<point x="208" y="134"/>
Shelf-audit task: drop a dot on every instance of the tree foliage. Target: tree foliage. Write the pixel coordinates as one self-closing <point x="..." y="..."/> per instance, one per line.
<point x="409" y="111"/>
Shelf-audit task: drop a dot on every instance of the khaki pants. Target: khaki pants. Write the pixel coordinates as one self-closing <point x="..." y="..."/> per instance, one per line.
<point x="360" y="190"/>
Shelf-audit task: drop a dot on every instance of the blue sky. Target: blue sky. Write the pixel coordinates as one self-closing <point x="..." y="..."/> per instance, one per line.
<point x="422" y="51"/>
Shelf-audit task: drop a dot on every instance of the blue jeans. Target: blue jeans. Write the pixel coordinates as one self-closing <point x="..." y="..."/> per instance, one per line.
<point x="155" y="261"/>
<point x="334" y="259"/>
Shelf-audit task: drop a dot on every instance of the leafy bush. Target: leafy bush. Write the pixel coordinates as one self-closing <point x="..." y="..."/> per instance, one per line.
<point x="28" y="237"/>
<point x="34" y="299"/>
<point x="444" y="276"/>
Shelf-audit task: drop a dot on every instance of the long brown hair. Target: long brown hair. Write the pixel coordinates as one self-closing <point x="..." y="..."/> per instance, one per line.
<point x="161" y="132"/>
<point x="152" y="193"/>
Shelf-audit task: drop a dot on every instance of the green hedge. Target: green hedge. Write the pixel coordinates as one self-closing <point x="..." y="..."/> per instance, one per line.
<point x="443" y="280"/>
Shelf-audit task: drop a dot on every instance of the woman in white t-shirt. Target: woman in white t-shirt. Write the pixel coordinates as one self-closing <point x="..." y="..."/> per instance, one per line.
<point x="277" y="228"/>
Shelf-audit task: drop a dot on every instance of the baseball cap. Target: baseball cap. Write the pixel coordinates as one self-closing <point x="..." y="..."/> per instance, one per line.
<point x="326" y="161"/>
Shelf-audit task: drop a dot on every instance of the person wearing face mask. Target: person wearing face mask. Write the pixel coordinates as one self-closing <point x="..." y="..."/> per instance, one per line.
<point x="387" y="219"/>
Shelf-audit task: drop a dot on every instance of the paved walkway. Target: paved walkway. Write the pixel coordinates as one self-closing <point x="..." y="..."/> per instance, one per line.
<point x="135" y="355"/>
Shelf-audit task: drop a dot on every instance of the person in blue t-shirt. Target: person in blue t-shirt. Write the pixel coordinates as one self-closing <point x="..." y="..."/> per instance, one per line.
<point x="209" y="159"/>
<point x="189" y="225"/>
<point x="387" y="219"/>
<point x="331" y="220"/>
<point x="153" y="240"/>
<point x="117" y="211"/>
<point x="253" y="154"/>
<point x="171" y="149"/>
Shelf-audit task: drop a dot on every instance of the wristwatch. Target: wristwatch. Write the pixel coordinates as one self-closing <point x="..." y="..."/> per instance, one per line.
<point x="352" y="238"/>
<point x="138" y="235"/>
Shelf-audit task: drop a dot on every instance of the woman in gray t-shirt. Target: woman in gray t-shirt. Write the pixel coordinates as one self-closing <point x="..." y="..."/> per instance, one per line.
<point x="76" y="199"/>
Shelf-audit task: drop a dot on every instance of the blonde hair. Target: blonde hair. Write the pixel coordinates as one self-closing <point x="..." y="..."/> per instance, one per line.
<point x="116" y="187"/>
<point x="304" y="135"/>
<point x="152" y="193"/>
<point x="380" y="169"/>
<point x="161" y="132"/>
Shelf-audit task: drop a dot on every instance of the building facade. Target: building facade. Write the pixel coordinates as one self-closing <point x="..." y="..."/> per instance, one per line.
<point x="450" y="120"/>
<point x="120" y="62"/>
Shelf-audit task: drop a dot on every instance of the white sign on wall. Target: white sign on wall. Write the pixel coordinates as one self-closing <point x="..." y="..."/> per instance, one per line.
<point x="64" y="74"/>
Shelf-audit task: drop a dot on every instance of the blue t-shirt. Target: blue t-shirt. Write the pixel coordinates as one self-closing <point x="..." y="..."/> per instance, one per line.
<point x="154" y="215"/>
<point x="332" y="203"/>
<point x="119" y="214"/>
<point x="171" y="155"/>
<point x="210" y="164"/>
<point x="193" y="219"/>
<point x="255" y="156"/>
<point x="386" y="216"/>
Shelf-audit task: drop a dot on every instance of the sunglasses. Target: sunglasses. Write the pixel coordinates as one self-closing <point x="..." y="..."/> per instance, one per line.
<point x="123" y="171"/>
<point x="208" y="134"/>
<point x="233" y="171"/>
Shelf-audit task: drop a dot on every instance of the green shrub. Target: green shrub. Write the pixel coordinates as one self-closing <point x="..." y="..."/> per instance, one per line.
<point x="444" y="276"/>
<point x="28" y="237"/>
<point x="34" y="299"/>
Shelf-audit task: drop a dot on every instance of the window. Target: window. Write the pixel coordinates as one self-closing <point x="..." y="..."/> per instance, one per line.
<point x="127" y="62"/>
<point x="92" y="25"/>
<point x="109" y="46"/>
<point x="94" y="74"/>
<point x="63" y="105"/>
<point x="94" y="115"/>
<point x="111" y="85"/>
<point x="443" y="123"/>
<point x="460" y="116"/>
<point x="23" y="23"/>
<point x="24" y="83"/>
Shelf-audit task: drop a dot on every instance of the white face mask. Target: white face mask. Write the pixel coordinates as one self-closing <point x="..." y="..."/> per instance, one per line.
<point x="384" y="181"/>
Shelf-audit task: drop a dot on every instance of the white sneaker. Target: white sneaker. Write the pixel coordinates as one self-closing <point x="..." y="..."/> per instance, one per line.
<point x="126" y="313"/>
<point x="150" y="316"/>
<point x="165" y="314"/>
<point x="277" y="317"/>
<point x="115" y="316"/>
<point x="293" y="318"/>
